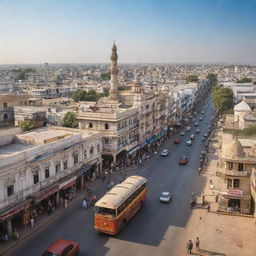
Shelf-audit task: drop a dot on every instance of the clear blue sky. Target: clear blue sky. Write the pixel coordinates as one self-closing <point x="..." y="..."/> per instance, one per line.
<point x="38" y="31"/>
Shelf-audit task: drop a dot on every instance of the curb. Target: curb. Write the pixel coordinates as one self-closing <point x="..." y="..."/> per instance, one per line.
<point x="41" y="226"/>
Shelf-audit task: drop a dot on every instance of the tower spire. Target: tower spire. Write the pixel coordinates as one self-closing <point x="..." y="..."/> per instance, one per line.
<point x="114" y="74"/>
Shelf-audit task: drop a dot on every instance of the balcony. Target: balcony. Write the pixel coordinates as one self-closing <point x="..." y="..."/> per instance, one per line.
<point x="236" y="173"/>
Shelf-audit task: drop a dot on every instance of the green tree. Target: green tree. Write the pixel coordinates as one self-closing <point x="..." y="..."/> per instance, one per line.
<point x="82" y="95"/>
<point x="212" y="78"/>
<point x="105" y="76"/>
<point x="26" y="125"/>
<point x="245" y="80"/>
<point x="192" y="78"/>
<point x="79" y="95"/>
<point x="222" y="98"/>
<point x="69" y="120"/>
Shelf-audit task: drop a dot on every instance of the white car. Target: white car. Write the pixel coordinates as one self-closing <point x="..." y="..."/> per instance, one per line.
<point x="165" y="152"/>
<point x="165" y="197"/>
<point x="189" y="142"/>
<point x="182" y="134"/>
<point x="188" y="128"/>
<point x="196" y="123"/>
<point x="192" y="136"/>
<point x="201" y="118"/>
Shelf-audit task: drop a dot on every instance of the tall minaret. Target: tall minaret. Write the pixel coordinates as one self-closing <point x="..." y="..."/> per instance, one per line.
<point x="114" y="74"/>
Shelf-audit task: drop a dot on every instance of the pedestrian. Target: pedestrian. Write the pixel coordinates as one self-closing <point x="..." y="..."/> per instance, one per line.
<point x="189" y="247"/>
<point x="216" y="198"/>
<point x="197" y="243"/>
<point x="16" y="235"/>
<point x="66" y="202"/>
<point x="32" y="222"/>
<point x="208" y="207"/>
<point x="84" y="204"/>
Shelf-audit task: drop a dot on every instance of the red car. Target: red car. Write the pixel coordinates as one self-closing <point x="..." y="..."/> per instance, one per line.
<point x="177" y="141"/>
<point x="183" y="160"/>
<point x="62" y="247"/>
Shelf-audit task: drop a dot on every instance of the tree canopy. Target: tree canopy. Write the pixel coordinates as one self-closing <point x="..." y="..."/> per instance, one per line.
<point x="69" y="120"/>
<point x="213" y="79"/>
<point x="245" y="80"/>
<point x="26" y="125"/>
<point x="22" y="73"/>
<point x="222" y="98"/>
<point x="105" y="76"/>
<point x="83" y="95"/>
<point x="192" y="78"/>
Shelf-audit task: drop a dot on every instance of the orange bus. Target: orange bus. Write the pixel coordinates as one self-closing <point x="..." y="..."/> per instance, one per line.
<point x="119" y="205"/>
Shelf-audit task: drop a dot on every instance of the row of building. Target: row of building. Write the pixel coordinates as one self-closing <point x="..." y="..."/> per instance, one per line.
<point x="49" y="164"/>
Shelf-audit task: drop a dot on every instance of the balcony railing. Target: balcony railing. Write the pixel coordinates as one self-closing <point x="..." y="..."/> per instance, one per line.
<point x="235" y="173"/>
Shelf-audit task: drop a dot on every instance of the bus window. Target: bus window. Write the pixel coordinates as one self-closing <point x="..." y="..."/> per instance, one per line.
<point x="105" y="211"/>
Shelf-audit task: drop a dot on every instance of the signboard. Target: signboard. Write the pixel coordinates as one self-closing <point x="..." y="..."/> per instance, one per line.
<point x="235" y="193"/>
<point x="68" y="183"/>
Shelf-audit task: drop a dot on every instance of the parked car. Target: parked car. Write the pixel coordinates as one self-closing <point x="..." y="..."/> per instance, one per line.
<point x="177" y="141"/>
<point x="202" y="112"/>
<point x="201" y="118"/>
<point x="183" y="160"/>
<point x="196" y="124"/>
<point x="192" y="136"/>
<point x="205" y="135"/>
<point x="198" y="131"/>
<point x="182" y="133"/>
<point x="188" y="128"/>
<point x="62" y="247"/>
<point x="189" y="142"/>
<point x="165" y="197"/>
<point x="164" y="152"/>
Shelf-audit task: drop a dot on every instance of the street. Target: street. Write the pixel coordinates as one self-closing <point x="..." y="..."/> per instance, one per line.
<point x="155" y="227"/>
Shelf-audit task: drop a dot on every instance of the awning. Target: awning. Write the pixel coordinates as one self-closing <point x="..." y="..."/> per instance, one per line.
<point x="134" y="149"/>
<point x="15" y="209"/>
<point x="86" y="168"/>
<point x="45" y="193"/>
<point x="68" y="183"/>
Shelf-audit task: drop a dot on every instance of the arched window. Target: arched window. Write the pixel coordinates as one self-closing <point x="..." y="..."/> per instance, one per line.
<point x="5" y="116"/>
<point x="98" y="148"/>
<point x="90" y="125"/>
<point x="106" y="126"/>
<point x="91" y="150"/>
<point x="85" y="154"/>
<point x="5" y="105"/>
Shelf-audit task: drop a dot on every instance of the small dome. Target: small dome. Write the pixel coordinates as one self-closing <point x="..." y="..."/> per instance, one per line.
<point x="233" y="149"/>
<point x="242" y="107"/>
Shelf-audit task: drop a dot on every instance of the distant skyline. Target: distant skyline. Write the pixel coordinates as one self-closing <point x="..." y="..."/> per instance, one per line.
<point x="145" y="31"/>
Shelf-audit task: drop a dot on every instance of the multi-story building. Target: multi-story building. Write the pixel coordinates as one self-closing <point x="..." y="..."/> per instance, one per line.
<point x="7" y="103"/>
<point x="235" y="168"/>
<point x="42" y="165"/>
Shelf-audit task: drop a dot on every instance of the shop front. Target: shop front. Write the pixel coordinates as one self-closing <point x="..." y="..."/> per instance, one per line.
<point x="67" y="190"/>
<point x="14" y="217"/>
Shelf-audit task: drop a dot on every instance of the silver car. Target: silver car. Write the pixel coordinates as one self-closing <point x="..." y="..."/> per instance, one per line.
<point x="165" y="197"/>
<point x="165" y="152"/>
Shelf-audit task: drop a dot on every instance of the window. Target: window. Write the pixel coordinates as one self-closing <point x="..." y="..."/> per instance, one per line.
<point x="147" y="107"/>
<point x="5" y="116"/>
<point x="5" y="105"/>
<point x="57" y="167"/>
<point x="90" y="125"/>
<point x="67" y="250"/>
<point x="75" y="156"/>
<point x="47" y="172"/>
<point x="240" y="167"/>
<point x="85" y="154"/>
<point x="106" y="126"/>
<point x="10" y="190"/>
<point x="91" y="150"/>
<point x="106" y="141"/>
<point x="36" y="178"/>
<point x="229" y="183"/>
<point x="230" y="165"/>
<point x="65" y="164"/>
<point x="98" y="148"/>
<point x="236" y="183"/>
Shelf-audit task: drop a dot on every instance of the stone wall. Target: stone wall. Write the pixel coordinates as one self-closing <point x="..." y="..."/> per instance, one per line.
<point x="7" y="136"/>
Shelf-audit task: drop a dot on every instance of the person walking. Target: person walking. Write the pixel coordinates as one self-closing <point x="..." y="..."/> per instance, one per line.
<point x="84" y="204"/>
<point x="208" y="207"/>
<point x="189" y="247"/>
<point x="32" y="222"/>
<point x="197" y="243"/>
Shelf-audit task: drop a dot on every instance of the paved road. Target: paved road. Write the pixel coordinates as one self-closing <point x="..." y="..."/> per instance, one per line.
<point x="154" y="229"/>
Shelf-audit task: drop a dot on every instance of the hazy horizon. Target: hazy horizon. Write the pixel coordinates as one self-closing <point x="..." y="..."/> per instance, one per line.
<point x="146" y="31"/>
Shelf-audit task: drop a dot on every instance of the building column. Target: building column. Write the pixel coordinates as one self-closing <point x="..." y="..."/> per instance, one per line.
<point x="9" y="227"/>
<point x="58" y="197"/>
<point x="82" y="180"/>
<point x="114" y="158"/>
